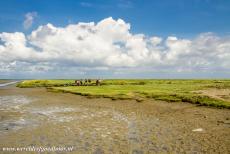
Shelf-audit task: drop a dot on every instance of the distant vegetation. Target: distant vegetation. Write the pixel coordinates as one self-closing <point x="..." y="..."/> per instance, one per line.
<point x="165" y="90"/>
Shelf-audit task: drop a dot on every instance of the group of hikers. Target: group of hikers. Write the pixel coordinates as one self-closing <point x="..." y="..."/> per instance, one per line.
<point x="87" y="82"/>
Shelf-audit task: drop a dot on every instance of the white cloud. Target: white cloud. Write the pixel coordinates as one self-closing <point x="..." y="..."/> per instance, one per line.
<point x="110" y="44"/>
<point x="29" y="19"/>
<point x="155" y="40"/>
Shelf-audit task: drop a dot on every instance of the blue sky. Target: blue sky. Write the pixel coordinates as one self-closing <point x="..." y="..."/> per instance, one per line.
<point x="151" y="17"/>
<point x="127" y="39"/>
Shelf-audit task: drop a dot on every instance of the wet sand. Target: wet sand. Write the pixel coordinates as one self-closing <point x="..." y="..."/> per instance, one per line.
<point x="35" y="117"/>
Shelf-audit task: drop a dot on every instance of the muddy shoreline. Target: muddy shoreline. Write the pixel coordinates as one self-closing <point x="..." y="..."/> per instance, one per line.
<point x="101" y="125"/>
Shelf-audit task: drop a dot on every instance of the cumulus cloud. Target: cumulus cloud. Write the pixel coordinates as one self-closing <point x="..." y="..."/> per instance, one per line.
<point x="110" y="45"/>
<point x="29" y="19"/>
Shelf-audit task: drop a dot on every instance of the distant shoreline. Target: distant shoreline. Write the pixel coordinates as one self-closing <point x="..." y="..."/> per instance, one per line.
<point x="8" y="83"/>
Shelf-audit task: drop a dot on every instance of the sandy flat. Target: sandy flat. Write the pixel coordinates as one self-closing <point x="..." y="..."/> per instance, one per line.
<point x="222" y="94"/>
<point x="104" y="126"/>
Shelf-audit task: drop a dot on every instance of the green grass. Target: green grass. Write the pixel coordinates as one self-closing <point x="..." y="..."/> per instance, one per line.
<point x="44" y="83"/>
<point x="165" y="90"/>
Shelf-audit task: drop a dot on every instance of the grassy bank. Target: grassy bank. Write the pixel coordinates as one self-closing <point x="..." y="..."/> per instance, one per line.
<point x="44" y="83"/>
<point x="165" y="90"/>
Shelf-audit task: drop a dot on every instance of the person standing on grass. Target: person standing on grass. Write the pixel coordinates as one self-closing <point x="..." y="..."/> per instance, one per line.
<point x="89" y="81"/>
<point x="98" y="82"/>
<point x="78" y="83"/>
<point x="86" y="82"/>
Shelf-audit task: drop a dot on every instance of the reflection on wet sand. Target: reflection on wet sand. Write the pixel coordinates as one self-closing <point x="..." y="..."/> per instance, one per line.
<point x="8" y="83"/>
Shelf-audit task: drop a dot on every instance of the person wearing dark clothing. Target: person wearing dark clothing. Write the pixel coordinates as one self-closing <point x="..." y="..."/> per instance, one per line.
<point x="89" y="81"/>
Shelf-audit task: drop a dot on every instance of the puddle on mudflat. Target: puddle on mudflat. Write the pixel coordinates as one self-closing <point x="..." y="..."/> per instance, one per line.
<point x="51" y="110"/>
<point x="55" y="114"/>
<point x="13" y="102"/>
<point x="15" y="124"/>
<point x="16" y="114"/>
<point x="13" y="111"/>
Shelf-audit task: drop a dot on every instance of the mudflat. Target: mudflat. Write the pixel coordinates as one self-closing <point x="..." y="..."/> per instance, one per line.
<point x="36" y="117"/>
<point x="4" y="81"/>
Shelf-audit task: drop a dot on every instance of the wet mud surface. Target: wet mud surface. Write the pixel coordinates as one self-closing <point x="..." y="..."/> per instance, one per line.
<point x="35" y="117"/>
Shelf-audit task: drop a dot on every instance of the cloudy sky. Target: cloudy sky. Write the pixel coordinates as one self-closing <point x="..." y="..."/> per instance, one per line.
<point x="115" y="39"/>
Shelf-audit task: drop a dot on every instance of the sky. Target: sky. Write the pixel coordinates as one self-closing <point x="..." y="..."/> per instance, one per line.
<point x="114" y="39"/>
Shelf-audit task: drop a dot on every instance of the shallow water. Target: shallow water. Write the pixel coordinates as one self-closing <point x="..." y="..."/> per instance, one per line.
<point x="8" y="83"/>
<point x="40" y="118"/>
<point x="13" y="112"/>
<point x="13" y="102"/>
<point x="29" y="116"/>
<point x="90" y="124"/>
